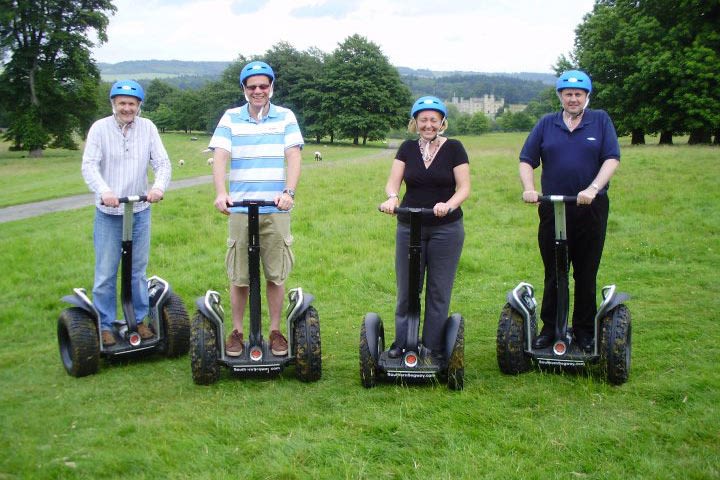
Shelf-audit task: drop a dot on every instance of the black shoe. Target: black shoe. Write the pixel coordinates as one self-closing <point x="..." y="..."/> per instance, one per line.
<point x="435" y="356"/>
<point x="585" y="342"/>
<point x="395" y="351"/>
<point x="543" y="340"/>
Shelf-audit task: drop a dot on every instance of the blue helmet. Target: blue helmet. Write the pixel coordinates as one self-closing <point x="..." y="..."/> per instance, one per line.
<point x="256" y="68"/>
<point x="127" y="87"/>
<point x="574" y="79"/>
<point x="428" y="103"/>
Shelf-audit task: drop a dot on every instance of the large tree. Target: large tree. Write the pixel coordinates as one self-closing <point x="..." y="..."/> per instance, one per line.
<point x="49" y="85"/>
<point x="299" y="85"/>
<point x="365" y="97"/>
<point x="655" y="65"/>
<point x="223" y="94"/>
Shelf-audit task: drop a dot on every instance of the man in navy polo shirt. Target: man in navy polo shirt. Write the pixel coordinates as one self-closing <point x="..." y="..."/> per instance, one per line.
<point x="579" y="152"/>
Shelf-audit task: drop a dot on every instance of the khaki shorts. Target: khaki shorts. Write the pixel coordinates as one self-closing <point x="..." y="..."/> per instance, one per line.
<point x="276" y="256"/>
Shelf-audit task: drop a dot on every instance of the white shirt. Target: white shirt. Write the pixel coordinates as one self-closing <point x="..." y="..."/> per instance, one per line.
<point x="119" y="163"/>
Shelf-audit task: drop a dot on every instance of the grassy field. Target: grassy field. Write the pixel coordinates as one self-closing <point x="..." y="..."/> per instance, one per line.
<point x="146" y="419"/>
<point x="57" y="173"/>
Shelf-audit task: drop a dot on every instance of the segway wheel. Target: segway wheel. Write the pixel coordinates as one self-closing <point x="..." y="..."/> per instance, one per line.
<point x="369" y="358"/>
<point x="79" y="342"/>
<point x="456" y="361"/>
<point x="511" y="341"/>
<point x="203" y="351"/>
<point x="308" y="355"/>
<point x="616" y="344"/>
<point x="177" y="326"/>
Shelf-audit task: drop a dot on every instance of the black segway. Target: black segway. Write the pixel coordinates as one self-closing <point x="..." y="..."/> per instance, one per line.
<point x="78" y="328"/>
<point x="517" y="327"/>
<point x="416" y="363"/>
<point x="207" y="338"/>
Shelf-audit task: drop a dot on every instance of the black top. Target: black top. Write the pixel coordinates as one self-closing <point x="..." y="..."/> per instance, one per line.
<point x="424" y="187"/>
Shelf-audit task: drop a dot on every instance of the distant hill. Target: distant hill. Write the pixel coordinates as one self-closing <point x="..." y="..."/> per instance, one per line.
<point x="519" y="87"/>
<point x="546" y="78"/>
<point x="149" y="69"/>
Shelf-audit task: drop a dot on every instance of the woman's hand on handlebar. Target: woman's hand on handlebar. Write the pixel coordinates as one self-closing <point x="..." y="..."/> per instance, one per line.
<point x="441" y="209"/>
<point x="388" y="206"/>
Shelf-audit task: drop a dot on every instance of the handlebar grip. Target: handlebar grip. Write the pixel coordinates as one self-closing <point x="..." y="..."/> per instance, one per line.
<point x="133" y="199"/>
<point x="557" y="198"/>
<point x="247" y="202"/>
<point x="424" y="211"/>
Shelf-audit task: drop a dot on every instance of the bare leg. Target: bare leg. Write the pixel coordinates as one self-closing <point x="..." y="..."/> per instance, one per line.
<point x="275" y="297"/>
<point x="238" y="300"/>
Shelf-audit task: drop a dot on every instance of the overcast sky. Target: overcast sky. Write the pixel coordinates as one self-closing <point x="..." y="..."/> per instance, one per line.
<point x="469" y="35"/>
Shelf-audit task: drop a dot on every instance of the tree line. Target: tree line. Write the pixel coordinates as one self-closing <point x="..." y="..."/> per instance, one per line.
<point x="655" y="68"/>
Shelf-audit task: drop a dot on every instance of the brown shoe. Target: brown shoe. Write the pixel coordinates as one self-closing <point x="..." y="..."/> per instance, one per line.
<point x="144" y="331"/>
<point x="278" y="344"/>
<point x="108" y="338"/>
<point x="234" y="346"/>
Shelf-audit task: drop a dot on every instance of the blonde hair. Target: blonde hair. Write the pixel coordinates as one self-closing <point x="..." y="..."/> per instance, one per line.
<point x="412" y="126"/>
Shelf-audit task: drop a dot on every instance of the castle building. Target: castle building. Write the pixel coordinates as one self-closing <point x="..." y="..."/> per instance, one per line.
<point x="488" y="104"/>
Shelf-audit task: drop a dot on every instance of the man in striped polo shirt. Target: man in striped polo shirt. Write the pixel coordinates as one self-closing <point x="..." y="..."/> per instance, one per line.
<point x="258" y="139"/>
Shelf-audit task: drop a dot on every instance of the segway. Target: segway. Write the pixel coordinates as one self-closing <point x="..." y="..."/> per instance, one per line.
<point x="79" y="330"/>
<point x="517" y="327"/>
<point x="416" y="364"/>
<point x="207" y="338"/>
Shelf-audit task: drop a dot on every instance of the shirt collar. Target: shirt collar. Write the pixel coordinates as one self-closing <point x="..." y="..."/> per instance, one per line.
<point x="245" y="112"/>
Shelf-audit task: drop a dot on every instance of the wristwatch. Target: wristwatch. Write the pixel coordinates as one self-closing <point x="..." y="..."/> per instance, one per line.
<point x="290" y="192"/>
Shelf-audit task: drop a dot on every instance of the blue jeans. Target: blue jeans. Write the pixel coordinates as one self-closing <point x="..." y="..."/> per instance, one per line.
<point x="108" y="241"/>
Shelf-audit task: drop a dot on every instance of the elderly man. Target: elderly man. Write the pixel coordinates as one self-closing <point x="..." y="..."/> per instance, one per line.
<point x="115" y="162"/>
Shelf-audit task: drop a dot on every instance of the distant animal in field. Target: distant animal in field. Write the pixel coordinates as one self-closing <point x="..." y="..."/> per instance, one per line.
<point x="318" y="157"/>
<point x="210" y="161"/>
<point x="181" y="162"/>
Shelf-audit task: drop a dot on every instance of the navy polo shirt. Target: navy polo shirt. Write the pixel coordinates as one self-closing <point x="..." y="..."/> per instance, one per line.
<point x="570" y="160"/>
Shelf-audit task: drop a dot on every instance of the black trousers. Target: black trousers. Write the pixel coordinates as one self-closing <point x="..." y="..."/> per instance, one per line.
<point x="441" y="249"/>
<point x="586" y="228"/>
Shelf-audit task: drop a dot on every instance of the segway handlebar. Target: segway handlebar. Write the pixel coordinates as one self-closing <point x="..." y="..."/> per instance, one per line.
<point x="425" y="211"/>
<point x="133" y="199"/>
<point x="557" y="198"/>
<point x="247" y="202"/>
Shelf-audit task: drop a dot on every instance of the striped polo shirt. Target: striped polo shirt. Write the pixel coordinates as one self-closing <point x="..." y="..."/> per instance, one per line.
<point x="257" y="152"/>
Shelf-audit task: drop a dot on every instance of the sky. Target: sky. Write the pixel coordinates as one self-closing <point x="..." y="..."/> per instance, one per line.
<point x="443" y="35"/>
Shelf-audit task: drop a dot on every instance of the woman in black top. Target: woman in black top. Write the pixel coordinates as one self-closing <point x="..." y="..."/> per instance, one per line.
<point x="436" y="173"/>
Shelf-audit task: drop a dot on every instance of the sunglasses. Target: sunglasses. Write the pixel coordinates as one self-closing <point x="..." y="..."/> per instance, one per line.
<point x="263" y="87"/>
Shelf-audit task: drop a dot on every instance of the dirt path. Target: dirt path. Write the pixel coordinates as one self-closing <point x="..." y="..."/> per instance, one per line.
<point x="34" y="209"/>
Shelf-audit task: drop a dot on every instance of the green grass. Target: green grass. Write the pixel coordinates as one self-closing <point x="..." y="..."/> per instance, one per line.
<point x="57" y="173"/>
<point x="146" y="419"/>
